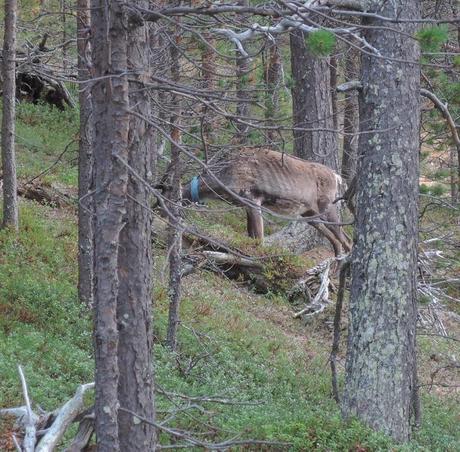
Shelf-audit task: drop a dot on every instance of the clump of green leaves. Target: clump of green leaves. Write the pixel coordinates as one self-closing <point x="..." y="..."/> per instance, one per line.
<point x="432" y="38"/>
<point x="321" y="42"/>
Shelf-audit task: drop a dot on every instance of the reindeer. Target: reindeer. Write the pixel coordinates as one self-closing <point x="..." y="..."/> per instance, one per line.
<point x="282" y="183"/>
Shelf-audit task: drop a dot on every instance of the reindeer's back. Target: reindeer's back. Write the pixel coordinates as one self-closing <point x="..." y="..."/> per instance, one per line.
<point x="281" y="179"/>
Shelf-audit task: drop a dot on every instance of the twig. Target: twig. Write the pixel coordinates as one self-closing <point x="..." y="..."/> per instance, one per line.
<point x="16" y="443"/>
<point x="197" y="442"/>
<point x="207" y="399"/>
<point x="53" y="164"/>
<point x="29" y="420"/>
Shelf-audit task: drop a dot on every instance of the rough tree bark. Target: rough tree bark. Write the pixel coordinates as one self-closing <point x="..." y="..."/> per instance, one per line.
<point x="134" y="303"/>
<point x="311" y="109"/>
<point x="243" y="107"/>
<point x="351" y="117"/>
<point x="175" y="234"/>
<point x="85" y="161"/>
<point x="111" y="122"/>
<point x="381" y="358"/>
<point x="63" y="8"/>
<point x="10" y="196"/>
<point x="272" y="76"/>
<point x="312" y="104"/>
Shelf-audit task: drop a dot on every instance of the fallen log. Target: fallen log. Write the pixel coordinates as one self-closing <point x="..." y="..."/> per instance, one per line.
<point x="45" y="195"/>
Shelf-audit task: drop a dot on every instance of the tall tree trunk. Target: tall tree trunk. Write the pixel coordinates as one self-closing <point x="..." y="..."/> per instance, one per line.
<point x="312" y="105"/>
<point x="351" y="117"/>
<point x="63" y="8"/>
<point x="10" y="196"/>
<point x="272" y="75"/>
<point x="207" y="74"/>
<point x="134" y="310"/>
<point x="381" y="357"/>
<point x="454" y="153"/>
<point x="312" y="109"/>
<point x="175" y="234"/>
<point x="110" y="109"/>
<point x="242" y="81"/>
<point x="85" y="161"/>
<point x="333" y="88"/>
<point x="159" y="53"/>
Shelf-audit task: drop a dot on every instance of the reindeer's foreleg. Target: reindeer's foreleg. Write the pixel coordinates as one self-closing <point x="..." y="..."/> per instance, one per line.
<point x="255" y="223"/>
<point x="337" y="230"/>
<point x="330" y="236"/>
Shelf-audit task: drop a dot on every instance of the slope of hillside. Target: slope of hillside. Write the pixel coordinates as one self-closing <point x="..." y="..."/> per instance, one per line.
<point x="245" y="368"/>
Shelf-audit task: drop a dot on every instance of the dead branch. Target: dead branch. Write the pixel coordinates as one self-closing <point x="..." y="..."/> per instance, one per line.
<point x="230" y="259"/>
<point x="68" y="412"/>
<point x="200" y="443"/>
<point x="301" y="289"/>
<point x="44" y="195"/>
<point x="83" y="437"/>
<point x="29" y="421"/>
<point x="205" y="399"/>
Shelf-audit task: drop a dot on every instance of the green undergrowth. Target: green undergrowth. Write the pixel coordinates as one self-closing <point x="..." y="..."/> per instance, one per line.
<point x="42" y="326"/>
<point x="228" y="226"/>
<point x="233" y="345"/>
<point x="45" y="134"/>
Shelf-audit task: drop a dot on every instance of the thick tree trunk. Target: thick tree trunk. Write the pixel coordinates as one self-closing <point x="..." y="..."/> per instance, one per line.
<point x="85" y="161"/>
<point x="381" y="358"/>
<point x="110" y="109"/>
<point x="134" y="310"/>
<point x="312" y="105"/>
<point x="312" y="109"/>
<point x="175" y="234"/>
<point x="10" y="196"/>
<point x="351" y="118"/>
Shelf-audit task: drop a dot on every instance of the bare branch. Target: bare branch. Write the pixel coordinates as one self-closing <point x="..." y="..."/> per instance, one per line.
<point x="68" y="412"/>
<point x="30" y="419"/>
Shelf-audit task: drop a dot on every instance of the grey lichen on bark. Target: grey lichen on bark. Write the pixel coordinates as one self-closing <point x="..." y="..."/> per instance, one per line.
<point x="381" y="356"/>
<point x="134" y="302"/>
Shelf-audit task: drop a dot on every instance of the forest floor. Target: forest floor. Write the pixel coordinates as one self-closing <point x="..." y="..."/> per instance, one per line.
<point x="266" y="373"/>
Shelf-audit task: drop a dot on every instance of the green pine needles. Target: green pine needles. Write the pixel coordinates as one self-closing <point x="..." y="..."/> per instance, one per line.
<point x="432" y="38"/>
<point x="321" y="42"/>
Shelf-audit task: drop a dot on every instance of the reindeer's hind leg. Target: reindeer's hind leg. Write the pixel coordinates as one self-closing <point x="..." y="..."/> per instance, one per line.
<point x="255" y="223"/>
<point x="332" y="216"/>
